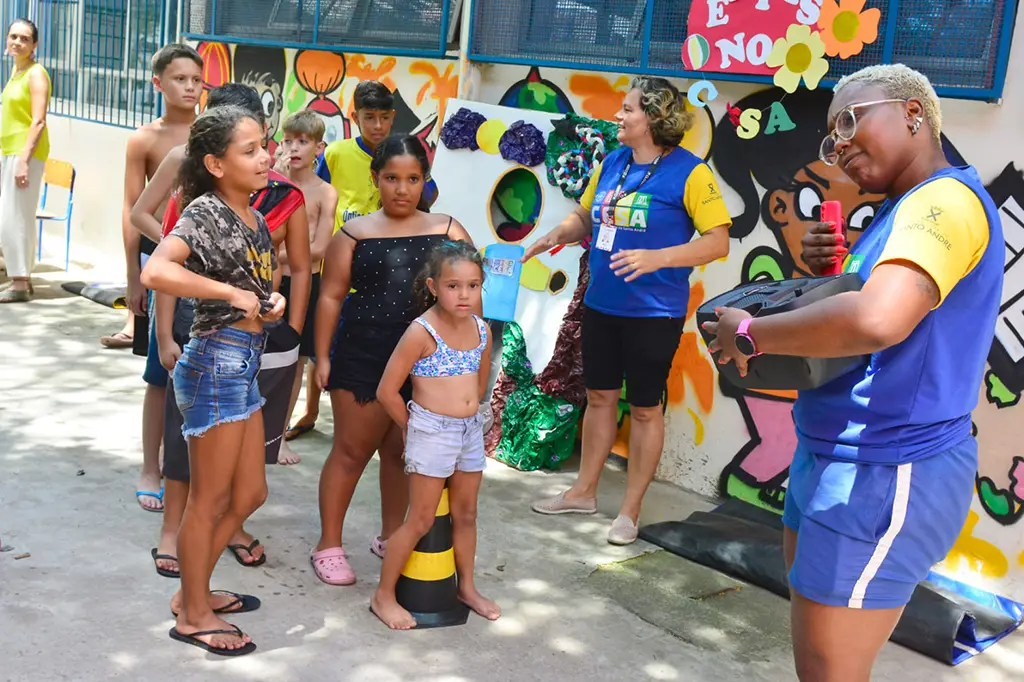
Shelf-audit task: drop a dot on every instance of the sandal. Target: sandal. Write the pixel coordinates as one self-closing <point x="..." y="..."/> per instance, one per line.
<point x="237" y="549"/>
<point x="378" y="547"/>
<point x="165" y="572"/>
<point x="147" y="493"/>
<point x="246" y="603"/>
<point x="331" y="566"/>
<point x="298" y="430"/>
<point x="194" y="640"/>
<point x="15" y="296"/>
<point x="118" y="340"/>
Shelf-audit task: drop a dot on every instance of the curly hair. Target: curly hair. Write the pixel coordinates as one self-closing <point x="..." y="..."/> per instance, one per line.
<point x="211" y="133"/>
<point x="448" y="252"/>
<point x="665" y="108"/>
<point x="899" y="81"/>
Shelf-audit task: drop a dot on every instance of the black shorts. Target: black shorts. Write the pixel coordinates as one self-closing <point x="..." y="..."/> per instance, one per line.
<point x="637" y="349"/>
<point x="140" y="333"/>
<point x="307" y="348"/>
<point x="361" y="352"/>
<point x="275" y="386"/>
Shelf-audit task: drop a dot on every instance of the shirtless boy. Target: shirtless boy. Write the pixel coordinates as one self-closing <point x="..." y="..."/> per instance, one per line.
<point x="178" y="76"/>
<point x="302" y="143"/>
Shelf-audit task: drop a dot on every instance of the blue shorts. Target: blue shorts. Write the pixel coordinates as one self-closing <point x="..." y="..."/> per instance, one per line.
<point x="154" y="374"/>
<point x="867" y="534"/>
<point x="215" y="379"/>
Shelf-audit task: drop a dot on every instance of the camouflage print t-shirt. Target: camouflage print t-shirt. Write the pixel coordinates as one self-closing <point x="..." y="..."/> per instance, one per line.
<point x="225" y="249"/>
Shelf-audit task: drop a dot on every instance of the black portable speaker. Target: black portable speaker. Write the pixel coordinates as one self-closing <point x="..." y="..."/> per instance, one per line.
<point x="761" y="299"/>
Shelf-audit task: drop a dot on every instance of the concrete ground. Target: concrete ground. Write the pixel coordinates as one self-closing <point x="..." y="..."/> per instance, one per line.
<point x="87" y="604"/>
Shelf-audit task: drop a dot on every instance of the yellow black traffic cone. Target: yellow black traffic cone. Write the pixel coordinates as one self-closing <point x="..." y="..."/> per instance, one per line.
<point x="428" y="587"/>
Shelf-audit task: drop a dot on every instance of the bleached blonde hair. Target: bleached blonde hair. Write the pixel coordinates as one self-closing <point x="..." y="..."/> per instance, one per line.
<point x="899" y="81"/>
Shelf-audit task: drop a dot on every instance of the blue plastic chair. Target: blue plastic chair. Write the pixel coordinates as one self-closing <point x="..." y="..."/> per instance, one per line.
<point x="59" y="174"/>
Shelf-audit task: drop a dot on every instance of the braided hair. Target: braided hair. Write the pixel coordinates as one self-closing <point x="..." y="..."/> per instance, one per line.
<point x="402" y="145"/>
<point x="211" y="133"/>
<point x="447" y="252"/>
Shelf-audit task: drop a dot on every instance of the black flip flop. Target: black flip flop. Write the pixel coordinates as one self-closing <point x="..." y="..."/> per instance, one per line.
<point x="296" y="431"/>
<point x="248" y="550"/>
<point x="165" y="572"/>
<point x="248" y="603"/>
<point x="194" y="640"/>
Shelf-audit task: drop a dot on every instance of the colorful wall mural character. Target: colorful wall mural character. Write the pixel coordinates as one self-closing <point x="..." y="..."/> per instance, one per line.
<point x="264" y="68"/>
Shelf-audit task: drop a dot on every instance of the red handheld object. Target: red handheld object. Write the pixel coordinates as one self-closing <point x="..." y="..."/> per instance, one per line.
<point x="832" y="212"/>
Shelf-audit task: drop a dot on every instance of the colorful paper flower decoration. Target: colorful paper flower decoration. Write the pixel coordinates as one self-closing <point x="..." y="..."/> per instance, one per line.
<point x="845" y="29"/>
<point x="799" y="55"/>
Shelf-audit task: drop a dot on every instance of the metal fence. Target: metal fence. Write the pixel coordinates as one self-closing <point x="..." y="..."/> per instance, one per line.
<point x="98" y="54"/>
<point x="395" y="27"/>
<point x="962" y="45"/>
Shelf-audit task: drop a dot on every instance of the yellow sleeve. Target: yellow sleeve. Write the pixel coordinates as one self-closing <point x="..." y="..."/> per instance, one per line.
<point x="587" y="200"/>
<point x="942" y="229"/>
<point x="331" y="154"/>
<point x="703" y="200"/>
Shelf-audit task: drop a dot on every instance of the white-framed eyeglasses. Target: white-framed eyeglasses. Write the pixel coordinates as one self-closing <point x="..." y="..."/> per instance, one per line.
<point x="845" y="129"/>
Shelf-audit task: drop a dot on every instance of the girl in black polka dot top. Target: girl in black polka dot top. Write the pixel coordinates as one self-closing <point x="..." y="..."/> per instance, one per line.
<point x="373" y="260"/>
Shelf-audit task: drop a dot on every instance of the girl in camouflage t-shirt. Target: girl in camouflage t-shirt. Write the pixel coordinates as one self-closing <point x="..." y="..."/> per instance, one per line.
<point x="220" y="254"/>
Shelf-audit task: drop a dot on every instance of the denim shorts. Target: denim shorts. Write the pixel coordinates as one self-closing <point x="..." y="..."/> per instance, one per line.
<point x="154" y="374"/>
<point x="438" y="446"/>
<point x="215" y="379"/>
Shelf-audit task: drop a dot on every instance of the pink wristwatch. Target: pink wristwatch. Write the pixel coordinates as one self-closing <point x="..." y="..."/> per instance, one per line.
<point x="744" y="341"/>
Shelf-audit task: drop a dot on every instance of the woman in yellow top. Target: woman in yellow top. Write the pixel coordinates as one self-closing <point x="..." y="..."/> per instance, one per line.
<point x="25" y="145"/>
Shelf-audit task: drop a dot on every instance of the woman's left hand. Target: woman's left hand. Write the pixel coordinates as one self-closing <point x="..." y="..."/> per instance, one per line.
<point x="636" y="262"/>
<point x="21" y="174"/>
<point x="725" y="337"/>
<point x="276" y="312"/>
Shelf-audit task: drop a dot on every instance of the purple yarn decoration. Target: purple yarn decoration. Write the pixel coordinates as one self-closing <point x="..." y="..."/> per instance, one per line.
<point x="459" y="132"/>
<point x="523" y="143"/>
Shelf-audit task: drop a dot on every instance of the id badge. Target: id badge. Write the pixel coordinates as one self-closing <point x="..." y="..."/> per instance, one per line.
<point x="606" y="237"/>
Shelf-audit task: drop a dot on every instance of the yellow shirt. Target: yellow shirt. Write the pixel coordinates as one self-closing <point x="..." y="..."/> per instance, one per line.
<point x="942" y="229"/>
<point x="347" y="164"/>
<point x="16" y="116"/>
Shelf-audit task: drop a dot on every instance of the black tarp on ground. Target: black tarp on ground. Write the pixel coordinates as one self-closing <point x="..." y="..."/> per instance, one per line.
<point x="944" y="620"/>
<point x="110" y="295"/>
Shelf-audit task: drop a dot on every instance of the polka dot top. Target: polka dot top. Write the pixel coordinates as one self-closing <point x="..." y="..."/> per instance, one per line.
<point x="383" y="272"/>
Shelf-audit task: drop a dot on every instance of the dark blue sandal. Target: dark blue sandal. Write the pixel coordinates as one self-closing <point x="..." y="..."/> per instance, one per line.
<point x="194" y="640"/>
<point x="237" y="549"/>
<point x="241" y="603"/>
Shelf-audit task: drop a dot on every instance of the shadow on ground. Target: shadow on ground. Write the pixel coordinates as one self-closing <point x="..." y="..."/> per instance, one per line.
<point x="87" y="604"/>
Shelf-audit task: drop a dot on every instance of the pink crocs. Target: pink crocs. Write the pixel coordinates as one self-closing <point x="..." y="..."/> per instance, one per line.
<point x="331" y="566"/>
<point x="378" y="547"/>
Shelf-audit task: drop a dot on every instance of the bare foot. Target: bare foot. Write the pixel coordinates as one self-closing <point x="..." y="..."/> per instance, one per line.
<point x="476" y="601"/>
<point x="148" y="493"/>
<point x="286" y="456"/>
<point x="230" y="642"/>
<point x="244" y="553"/>
<point x="391" y="614"/>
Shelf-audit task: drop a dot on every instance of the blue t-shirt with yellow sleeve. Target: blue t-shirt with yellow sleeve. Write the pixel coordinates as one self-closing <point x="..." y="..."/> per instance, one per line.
<point x="914" y="399"/>
<point x="679" y="198"/>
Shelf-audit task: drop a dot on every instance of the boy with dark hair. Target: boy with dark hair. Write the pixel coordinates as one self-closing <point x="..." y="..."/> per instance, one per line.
<point x="178" y="76"/>
<point x="300" y="146"/>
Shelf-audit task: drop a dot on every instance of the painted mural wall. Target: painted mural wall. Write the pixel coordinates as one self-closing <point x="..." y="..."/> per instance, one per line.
<point x="722" y="441"/>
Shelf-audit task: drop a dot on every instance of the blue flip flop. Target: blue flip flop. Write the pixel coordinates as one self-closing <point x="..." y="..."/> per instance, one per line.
<point x="146" y="493"/>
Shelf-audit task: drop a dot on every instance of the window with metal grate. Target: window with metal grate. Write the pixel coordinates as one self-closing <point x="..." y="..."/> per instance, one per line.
<point x="394" y="27"/>
<point x="962" y="45"/>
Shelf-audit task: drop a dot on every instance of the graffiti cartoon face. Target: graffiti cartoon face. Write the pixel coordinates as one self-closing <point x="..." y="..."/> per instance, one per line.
<point x="269" y="90"/>
<point x="796" y="206"/>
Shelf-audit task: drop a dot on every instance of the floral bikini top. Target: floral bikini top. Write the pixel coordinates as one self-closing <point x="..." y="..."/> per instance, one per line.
<point x="449" y="362"/>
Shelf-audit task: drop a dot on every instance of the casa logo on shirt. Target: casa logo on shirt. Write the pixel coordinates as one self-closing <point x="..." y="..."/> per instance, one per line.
<point x="629" y="213"/>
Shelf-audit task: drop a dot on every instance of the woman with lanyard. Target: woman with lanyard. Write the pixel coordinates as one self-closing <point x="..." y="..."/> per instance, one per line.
<point x="641" y="209"/>
<point x="885" y="463"/>
<point x="25" y="143"/>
